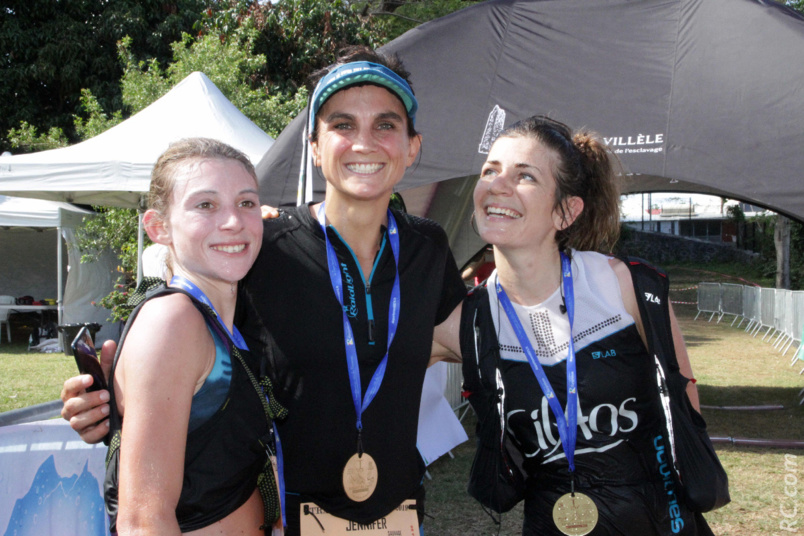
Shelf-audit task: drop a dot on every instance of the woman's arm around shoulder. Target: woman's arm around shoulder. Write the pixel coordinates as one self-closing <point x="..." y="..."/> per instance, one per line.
<point x="446" y="339"/>
<point x="167" y="354"/>
<point x="626" y="284"/>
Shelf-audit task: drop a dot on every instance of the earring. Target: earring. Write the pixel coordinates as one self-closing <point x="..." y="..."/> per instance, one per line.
<point x="233" y="287"/>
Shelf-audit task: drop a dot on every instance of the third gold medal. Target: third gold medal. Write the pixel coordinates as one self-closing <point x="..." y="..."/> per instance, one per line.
<point x="574" y="514"/>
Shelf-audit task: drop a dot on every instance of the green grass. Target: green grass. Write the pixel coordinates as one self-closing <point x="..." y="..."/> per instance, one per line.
<point x="736" y="369"/>
<point x="741" y="274"/>
<point x="31" y="378"/>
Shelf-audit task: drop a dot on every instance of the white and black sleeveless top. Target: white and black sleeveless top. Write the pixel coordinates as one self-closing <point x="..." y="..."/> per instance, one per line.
<point x="618" y="416"/>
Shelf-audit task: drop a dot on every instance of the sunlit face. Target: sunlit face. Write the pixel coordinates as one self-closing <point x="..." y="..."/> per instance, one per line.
<point x="213" y="227"/>
<point x="515" y="195"/>
<point x="363" y="147"/>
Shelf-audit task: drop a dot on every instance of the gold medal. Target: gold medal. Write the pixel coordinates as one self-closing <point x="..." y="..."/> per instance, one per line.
<point x="360" y="477"/>
<point x="575" y="514"/>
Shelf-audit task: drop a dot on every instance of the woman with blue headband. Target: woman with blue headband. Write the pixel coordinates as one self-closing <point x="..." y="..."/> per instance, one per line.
<point x="343" y="301"/>
<point x="351" y="291"/>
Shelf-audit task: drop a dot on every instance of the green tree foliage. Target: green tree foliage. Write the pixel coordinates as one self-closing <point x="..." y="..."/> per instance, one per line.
<point x="396" y="17"/>
<point x="52" y="50"/>
<point x="119" y="56"/>
<point x="230" y="64"/>
<point x="765" y="246"/>
<point x="797" y="255"/>
<point x="97" y="120"/>
<point x="798" y="5"/>
<point x="115" y="229"/>
<point x="296" y="37"/>
<point x="27" y="137"/>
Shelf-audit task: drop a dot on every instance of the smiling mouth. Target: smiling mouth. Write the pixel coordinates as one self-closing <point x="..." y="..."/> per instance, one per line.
<point x="497" y="211"/>
<point x="364" y="169"/>
<point x="230" y="249"/>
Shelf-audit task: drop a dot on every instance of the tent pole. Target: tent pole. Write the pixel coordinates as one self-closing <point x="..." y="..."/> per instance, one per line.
<point x="60" y="285"/>
<point x="305" y="190"/>
<point x="140" y="239"/>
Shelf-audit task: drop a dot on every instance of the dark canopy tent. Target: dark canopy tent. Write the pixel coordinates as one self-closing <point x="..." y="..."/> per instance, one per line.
<point x="694" y="95"/>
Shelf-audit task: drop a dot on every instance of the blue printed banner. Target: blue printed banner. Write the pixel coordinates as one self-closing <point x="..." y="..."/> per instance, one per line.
<point x="51" y="482"/>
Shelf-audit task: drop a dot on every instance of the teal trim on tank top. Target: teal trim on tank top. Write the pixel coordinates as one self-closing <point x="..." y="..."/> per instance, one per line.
<point x="213" y="393"/>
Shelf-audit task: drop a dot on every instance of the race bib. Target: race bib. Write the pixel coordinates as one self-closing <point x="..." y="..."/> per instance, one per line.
<point x="403" y="521"/>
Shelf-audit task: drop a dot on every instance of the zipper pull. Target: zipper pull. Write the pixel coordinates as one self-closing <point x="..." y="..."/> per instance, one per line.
<point x="371" y="331"/>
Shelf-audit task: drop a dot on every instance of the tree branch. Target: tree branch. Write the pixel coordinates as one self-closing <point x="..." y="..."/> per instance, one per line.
<point x="417" y="21"/>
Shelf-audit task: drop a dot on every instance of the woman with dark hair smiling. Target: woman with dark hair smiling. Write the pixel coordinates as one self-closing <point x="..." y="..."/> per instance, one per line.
<point x="343" y="301"/>
<point x="560" y="321"/>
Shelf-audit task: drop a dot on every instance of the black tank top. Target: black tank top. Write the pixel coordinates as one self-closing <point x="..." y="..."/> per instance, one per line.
<point x="224" y="456"/>
<point x="616" y="458"/>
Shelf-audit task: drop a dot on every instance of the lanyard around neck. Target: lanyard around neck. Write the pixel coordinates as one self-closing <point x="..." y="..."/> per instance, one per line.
<point x="567" y="427"/>
<point x="198" y="294"/>
<point x="349" y="340"/>
<point x="240" y="343"/>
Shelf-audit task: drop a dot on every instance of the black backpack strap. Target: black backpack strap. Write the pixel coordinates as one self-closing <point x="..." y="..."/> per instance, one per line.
<point x="479" y="350"/>
<point x="497" y="478"/>
<point x="652" y="290"/>
<point x="697" y="471"/>
<point x="149" y="286"/>
<point x="155" y="287"/>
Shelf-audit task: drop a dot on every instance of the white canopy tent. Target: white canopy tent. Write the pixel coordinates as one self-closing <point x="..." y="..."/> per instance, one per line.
<point x="29" y="261"/>
<point x="114" y="168"/>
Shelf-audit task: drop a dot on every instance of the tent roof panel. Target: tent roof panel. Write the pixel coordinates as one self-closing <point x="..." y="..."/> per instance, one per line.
<point x="114" y="168"/>
<point x="21" y="212"/>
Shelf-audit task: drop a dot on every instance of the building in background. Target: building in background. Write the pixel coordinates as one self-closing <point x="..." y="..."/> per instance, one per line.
<point x="704" y="217"/>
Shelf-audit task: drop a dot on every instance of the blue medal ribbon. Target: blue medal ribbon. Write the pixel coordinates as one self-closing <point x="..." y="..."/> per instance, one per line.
<point x="237" y="339"/>
<point x="567" y="427"/>
<point x="280" y="471"/>
<point x="198" y="294"/>
<point x="361" y="403"/>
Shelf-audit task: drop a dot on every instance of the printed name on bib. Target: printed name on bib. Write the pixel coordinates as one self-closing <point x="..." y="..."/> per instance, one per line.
<point x="403" y="521"/>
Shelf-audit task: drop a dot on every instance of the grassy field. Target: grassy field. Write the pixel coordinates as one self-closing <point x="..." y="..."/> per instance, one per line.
<point x="31" y="378"/>
<point x="732" y="367"/>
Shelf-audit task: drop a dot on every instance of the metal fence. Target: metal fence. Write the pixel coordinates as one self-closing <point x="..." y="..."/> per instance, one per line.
<point x="709" y="299"/>
<point x="731" y="300"/>
<point x="767" y="305"/>
<point x="454" y="389"/>
<point x="779" y="312"/>
<point x="752" y="307"/>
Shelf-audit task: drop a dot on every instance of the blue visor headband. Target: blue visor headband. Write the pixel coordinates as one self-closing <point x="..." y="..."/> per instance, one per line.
<point x="362" y="72"/>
